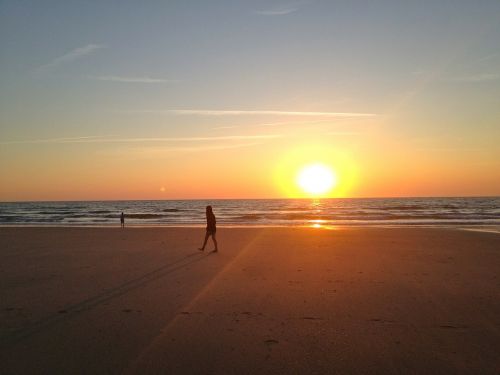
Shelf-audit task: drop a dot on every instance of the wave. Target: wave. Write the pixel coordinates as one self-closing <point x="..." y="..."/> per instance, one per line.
<point x="258" y="212"/>
<point x="142" y="216"/>
<point x="404" y="207"/>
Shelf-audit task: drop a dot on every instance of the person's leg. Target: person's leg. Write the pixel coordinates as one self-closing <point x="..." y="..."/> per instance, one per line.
<point x="215" y="243"/>
<point x="204" y="242"/>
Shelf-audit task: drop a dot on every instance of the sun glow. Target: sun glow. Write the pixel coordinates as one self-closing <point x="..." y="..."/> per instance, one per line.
<point x="316" y="179"/>
<point x="339" y="164"/>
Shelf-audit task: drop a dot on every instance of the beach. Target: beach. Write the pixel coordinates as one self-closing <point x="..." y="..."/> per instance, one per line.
<point x="347" y="300"/>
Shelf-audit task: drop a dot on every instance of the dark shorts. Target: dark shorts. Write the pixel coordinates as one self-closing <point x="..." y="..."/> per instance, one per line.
<point x="211" y="231"/>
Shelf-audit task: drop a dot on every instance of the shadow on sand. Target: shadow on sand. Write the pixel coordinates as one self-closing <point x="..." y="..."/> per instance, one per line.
<point x="73" y="310"/>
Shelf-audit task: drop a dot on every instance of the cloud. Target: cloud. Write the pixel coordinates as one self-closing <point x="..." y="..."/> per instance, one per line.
<point x="71" y="56"/>
<point x="205" y="112"/>
<point x="348" y="133"/>
<point x="196" y="149"/>
<point x="277" y="12"/>
<point x="226" y="127"/>
<point x="308" y="122"/>
<point x="132" y="79"/>
<point x="88" y="138"/>
<point x="282" y="10"/>
<point x="107" y="139"/>
<point x="487" y="58"/>
<point x="485" y="77"/>
<point x="157" y="152"/>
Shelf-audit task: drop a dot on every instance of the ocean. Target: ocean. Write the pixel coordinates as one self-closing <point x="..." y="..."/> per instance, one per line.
<point x="258" y="212"/>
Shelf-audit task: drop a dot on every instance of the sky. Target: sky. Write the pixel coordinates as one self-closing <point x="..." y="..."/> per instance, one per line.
<point x="230" y="99"/>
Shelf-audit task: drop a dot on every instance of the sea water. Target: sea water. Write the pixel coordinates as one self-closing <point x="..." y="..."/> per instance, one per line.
<point x="261" y="212"/>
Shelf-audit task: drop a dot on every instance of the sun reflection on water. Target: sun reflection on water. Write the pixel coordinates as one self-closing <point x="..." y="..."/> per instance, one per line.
<point x="317" y="223"/>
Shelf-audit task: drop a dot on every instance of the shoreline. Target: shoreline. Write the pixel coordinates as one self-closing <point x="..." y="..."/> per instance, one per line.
<point x="490" y="228"/>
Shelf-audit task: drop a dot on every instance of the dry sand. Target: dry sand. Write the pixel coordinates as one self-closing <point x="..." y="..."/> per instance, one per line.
<point x="274" y="300"/>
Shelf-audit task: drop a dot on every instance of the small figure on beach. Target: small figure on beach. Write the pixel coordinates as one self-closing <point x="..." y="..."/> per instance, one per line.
<point x="122" y="220"/>
<point x="211" y="229"/>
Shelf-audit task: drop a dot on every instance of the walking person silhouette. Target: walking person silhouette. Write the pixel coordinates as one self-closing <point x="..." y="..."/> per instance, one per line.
<point x="211" y="229"/>
<point x="122" y="220"/>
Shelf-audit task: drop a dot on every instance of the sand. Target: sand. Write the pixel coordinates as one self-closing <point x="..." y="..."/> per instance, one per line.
<point x="274" y="300"/>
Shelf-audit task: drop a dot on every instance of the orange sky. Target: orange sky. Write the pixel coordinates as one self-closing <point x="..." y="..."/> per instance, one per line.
<point x="367" y="165"/>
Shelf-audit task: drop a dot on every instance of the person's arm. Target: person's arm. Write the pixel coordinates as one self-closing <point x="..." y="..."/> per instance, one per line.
<point x="211" y="222"/>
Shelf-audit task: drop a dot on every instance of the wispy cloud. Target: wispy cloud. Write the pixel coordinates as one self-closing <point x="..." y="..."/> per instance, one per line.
<point x="156" y="151"/>
<point x="348" y="133"/>
<point x="308" y="122"/>
<point x="88" y="138"/>
<point x="491" y="56"/>
<point x="483" y="77"/>
<point x="281" y="10"/>
<point x="71" y="56"/>
<point x="100" y="139"/>
<point x="277" y="12"/>
<point x="226" y="127"/>
<point x="313" y="121"/>
<point x="209" y="112"/>
<point x="449" y="149"/>
<point x="132" y="79"/>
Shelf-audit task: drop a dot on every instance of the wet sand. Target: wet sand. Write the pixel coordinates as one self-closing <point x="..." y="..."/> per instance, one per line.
<point x="274" y="300"/>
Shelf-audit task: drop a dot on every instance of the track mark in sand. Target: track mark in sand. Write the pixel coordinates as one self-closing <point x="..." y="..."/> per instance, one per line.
<point x="131" y="310"/>
<point x="13" y="309"/>
<point x="451" y="326"/>
<point x="271" y="342"/>
<point x="378" y="320"/>
<point x="310" y="318"/>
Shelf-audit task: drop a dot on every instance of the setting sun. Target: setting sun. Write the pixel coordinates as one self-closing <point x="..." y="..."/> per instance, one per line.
<point x="316" y="179"/>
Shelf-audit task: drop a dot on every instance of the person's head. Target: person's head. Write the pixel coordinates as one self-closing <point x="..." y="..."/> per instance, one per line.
<point x="209" y="210"/>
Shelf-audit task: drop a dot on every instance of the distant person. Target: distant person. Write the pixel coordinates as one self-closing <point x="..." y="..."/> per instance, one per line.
<point x="211" y="229"/>
<point x="122" y="220"/>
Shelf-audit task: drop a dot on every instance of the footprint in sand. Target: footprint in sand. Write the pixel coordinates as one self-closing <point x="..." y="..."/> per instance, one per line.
<point x="271" y="342"/>
<point x="310" y="318"/>
<point x="450" y="326"/>
<point x="12" y="309"/>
